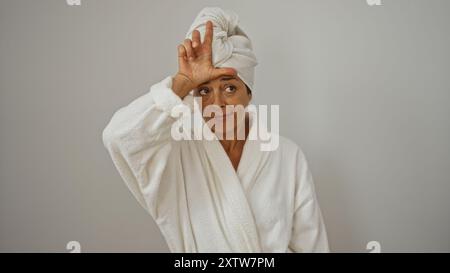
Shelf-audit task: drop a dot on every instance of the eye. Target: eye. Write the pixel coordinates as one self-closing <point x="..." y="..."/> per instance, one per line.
<point x="230" y="89"/>
<point x="203" y="91"/>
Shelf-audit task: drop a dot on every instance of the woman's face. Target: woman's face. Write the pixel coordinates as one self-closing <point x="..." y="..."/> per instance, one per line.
<point x="219" y="93"/>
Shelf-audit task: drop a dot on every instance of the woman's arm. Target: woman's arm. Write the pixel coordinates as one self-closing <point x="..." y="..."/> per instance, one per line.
<point x="139" y="142"/>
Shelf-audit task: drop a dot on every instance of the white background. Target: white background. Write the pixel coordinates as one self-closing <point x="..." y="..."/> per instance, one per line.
<point x="364" y="90"/>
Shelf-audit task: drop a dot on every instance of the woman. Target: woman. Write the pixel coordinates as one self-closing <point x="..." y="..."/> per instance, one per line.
<point x="219" y="195"/>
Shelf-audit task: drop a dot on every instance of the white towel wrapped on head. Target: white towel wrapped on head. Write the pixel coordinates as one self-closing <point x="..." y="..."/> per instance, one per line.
<point x="231" y="47"/>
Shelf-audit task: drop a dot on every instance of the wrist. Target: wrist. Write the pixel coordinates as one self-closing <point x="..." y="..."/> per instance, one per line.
<point x="182" y="85"/>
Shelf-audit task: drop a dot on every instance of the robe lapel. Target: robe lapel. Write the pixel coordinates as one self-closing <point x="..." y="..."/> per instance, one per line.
<point x="240" y="222"/>
<point x="240" y="215"/>
<point x="252" y="159"/>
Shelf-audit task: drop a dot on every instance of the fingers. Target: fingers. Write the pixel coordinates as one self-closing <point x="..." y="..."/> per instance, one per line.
<point x="225" y="71"/>
<point x="182" y="52"/>
<point x="208" y="33"/>
<point x="182" y="57"/>
<point x="195" y="39"/>
<point x="189" y="50"/>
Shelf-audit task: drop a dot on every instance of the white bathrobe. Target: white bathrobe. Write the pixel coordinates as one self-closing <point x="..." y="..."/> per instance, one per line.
<point x="198" y="200"/>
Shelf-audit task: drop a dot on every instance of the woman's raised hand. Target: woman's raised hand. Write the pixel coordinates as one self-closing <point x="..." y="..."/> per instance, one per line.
<point x="195" y="63"/>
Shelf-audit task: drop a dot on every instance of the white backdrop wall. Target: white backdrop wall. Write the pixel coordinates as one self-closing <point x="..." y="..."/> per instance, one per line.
<point x="364" y="90"/>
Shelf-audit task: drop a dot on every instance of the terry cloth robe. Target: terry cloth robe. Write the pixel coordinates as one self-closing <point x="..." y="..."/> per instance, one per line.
<point x="198" y="200"/>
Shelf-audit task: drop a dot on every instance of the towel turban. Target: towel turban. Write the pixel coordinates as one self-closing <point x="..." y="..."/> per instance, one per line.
<point x="231" y="47"/>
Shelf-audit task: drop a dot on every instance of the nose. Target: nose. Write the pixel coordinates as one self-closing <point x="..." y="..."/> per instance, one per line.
<point x="218" y="99"/>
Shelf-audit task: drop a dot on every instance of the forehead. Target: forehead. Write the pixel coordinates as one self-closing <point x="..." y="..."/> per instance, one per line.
<point x="223" y="79"/>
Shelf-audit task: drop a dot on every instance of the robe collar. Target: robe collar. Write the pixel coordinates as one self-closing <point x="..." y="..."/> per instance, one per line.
<point x="240" y="215"/>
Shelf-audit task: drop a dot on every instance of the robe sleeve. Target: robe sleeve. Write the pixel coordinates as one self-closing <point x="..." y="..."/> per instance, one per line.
<point x="139" y="142"/>
<point x="308" y="230"/>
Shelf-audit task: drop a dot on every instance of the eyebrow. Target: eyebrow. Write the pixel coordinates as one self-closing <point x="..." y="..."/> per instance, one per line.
<point x="226" y="78"/>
